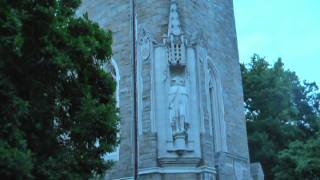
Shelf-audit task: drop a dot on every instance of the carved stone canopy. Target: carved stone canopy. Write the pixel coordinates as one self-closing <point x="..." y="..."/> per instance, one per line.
<point x="176" y="42"/>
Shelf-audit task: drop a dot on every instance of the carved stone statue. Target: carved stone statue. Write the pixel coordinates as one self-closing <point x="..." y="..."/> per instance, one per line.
<point x="178" y="100"/>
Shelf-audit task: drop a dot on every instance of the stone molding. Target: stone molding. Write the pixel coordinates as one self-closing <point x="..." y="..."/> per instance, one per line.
<point x="177" y="170"/>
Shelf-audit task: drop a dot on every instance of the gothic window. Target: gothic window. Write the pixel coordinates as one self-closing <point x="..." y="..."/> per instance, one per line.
<point x="216" y="110"/>
<point x="112" y="67"/>
<point x="211" y="99"/>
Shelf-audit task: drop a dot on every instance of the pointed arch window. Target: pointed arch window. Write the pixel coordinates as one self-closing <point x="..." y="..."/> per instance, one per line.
<point x="112" y="67"/>
<point x="216" y="110"/>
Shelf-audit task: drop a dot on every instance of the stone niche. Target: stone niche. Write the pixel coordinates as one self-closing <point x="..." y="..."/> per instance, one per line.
<point x="186" y="100"/>
<point x="175" y="96"/>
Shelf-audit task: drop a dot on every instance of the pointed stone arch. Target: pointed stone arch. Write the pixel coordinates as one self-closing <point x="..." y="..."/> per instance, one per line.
<point x="216" y="108"/>
<point x="112" y="67"/>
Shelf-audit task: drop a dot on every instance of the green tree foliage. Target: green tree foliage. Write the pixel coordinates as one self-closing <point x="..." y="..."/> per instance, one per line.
<point x="57" y="110"/>
<point x="300" y="161"/>
<point x="282" y="113"/>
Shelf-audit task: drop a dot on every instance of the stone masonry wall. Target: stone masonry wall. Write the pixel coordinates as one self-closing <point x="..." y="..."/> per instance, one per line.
<point x="115" y="15"/>
<point x="214" y="19"/>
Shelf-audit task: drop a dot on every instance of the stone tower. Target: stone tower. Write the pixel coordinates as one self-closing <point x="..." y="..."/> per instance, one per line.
<point x="190" y="100"/>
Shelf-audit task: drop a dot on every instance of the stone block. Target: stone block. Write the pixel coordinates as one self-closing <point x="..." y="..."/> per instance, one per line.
<point x="256" y="171"/>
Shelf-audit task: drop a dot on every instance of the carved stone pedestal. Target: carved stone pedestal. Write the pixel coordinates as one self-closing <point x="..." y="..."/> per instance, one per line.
<point x="180" y="144"/>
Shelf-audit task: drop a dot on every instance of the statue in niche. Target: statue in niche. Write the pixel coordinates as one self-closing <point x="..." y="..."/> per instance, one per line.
<point x="178" y="99"/>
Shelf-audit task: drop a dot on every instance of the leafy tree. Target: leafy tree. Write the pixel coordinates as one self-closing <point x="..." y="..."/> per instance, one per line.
<point x="57" y="111"/>
<point x="279" y="110"/>
<point x="300" y="161"/>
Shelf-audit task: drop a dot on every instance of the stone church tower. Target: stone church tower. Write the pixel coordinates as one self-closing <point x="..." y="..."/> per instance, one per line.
<point x="190" y="100"/>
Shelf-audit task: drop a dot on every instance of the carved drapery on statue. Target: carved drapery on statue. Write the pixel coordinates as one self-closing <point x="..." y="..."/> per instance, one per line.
<point x="178" y="102"/>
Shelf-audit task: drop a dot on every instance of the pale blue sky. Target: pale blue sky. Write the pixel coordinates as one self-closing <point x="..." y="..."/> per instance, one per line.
<point x="289" y="29"/>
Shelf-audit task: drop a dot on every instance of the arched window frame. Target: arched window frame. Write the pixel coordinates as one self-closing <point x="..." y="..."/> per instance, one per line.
<point x="112" y="67"/>
<point x="216" y="108"/>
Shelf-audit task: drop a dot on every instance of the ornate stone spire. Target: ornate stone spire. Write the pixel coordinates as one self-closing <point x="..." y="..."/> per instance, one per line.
<point x="176" y="49"/>
<point x="174" y="20"/>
